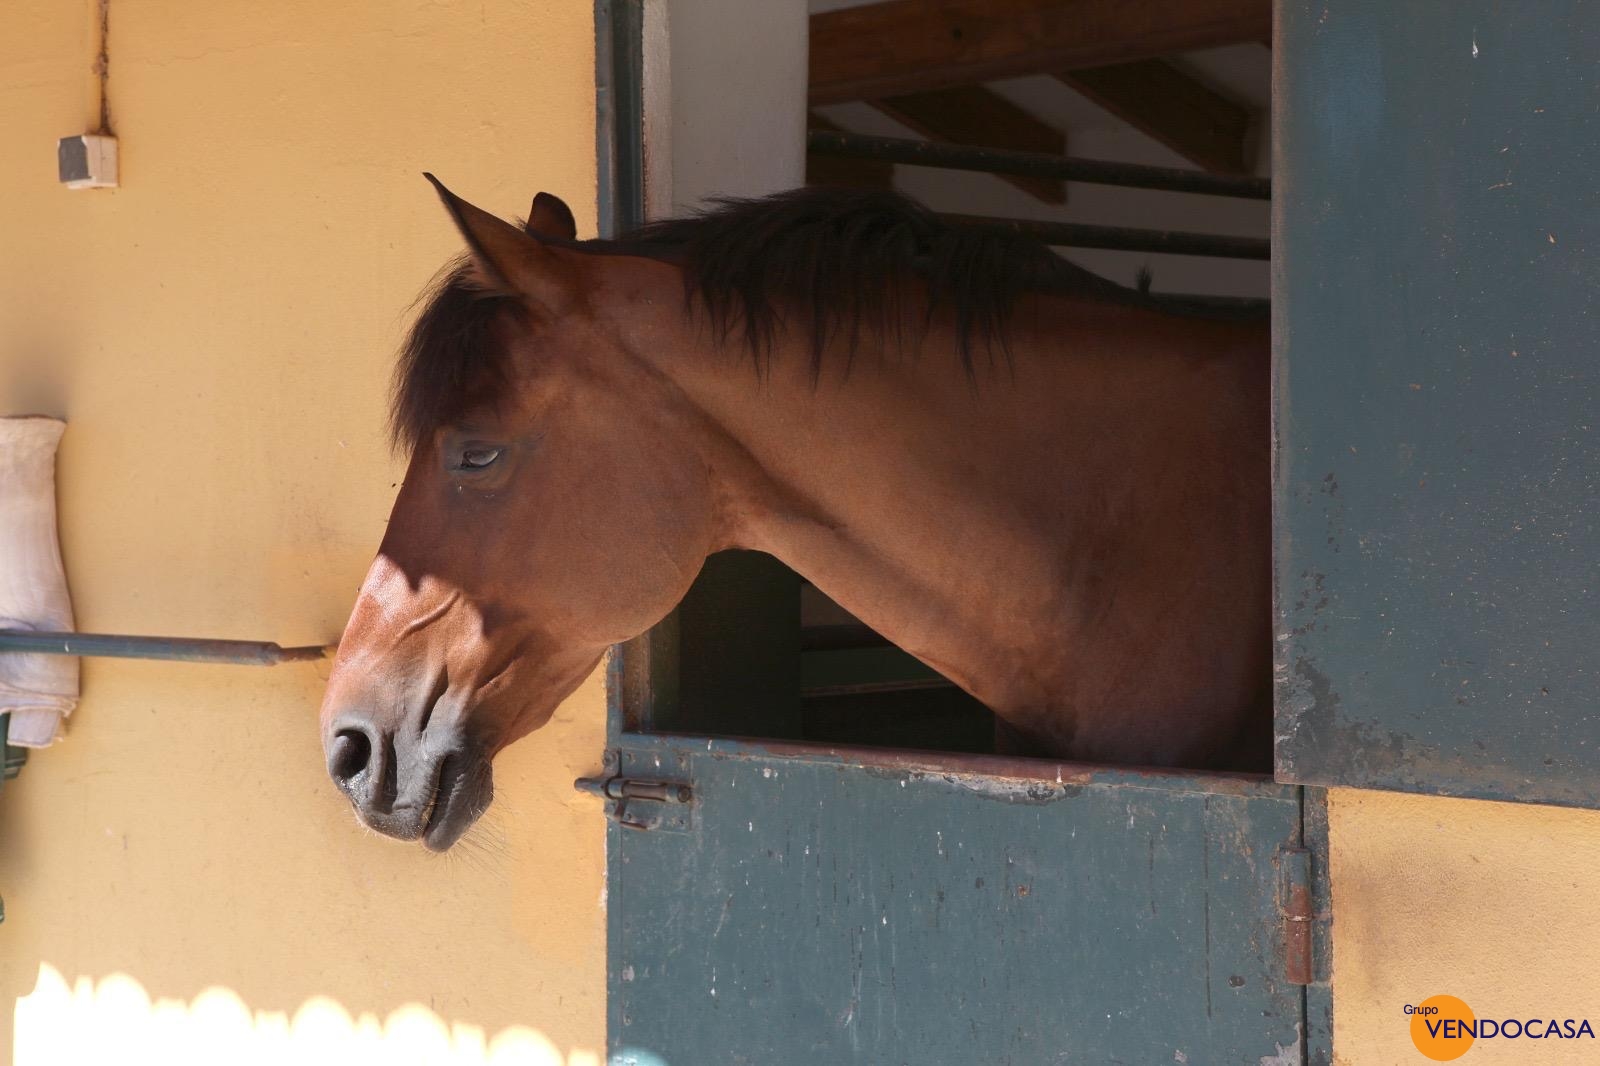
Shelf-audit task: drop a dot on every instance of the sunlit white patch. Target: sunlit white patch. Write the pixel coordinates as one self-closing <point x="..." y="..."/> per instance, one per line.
<point x="115" y="1019"/>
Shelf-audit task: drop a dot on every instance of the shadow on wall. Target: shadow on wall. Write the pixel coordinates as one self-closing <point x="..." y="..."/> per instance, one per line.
<point x="34" y="375"/>
<point x="115" y="1019"/>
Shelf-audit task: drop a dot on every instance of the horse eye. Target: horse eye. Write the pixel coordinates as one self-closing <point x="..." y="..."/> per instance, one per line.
<point x="478" y="458"/>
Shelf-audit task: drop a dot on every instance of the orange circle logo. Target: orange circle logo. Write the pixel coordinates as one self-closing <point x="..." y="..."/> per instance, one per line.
<point x="1442" y="1027"/>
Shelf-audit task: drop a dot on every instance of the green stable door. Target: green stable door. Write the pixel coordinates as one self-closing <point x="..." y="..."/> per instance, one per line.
<point x="879" y="908"/>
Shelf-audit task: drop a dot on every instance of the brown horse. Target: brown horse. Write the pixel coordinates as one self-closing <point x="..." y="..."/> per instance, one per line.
<point x="1052" y="489"/>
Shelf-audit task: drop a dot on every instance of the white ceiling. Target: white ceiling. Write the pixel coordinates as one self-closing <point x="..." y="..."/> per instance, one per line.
<point x="1241" y="73"/>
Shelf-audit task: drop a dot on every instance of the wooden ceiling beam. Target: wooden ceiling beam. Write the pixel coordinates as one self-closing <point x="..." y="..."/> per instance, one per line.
<point x="1161" y="101"/>
<point x="911" y="46"/>
<point x="973" y="115"/>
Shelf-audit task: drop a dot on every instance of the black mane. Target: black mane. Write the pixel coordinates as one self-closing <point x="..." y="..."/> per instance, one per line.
<point x="834" y="262"/>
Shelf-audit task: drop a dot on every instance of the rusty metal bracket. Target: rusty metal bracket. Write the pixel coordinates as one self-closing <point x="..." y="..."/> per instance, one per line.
<point x="1296" y="911"/>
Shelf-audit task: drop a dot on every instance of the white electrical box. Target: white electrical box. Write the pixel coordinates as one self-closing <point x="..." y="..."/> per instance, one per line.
<point x="87" y="161"/>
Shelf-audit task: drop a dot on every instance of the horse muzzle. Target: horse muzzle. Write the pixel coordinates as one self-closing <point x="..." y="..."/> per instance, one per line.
<point x="409" y="786"/>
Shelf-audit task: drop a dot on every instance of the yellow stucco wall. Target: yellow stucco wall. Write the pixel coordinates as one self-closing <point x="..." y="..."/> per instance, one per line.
<point x="1488" y="902"/>
<point x="179" y="876"/>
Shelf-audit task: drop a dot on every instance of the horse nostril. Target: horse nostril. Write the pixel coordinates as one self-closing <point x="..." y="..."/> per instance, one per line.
<point x="348" y="755"/>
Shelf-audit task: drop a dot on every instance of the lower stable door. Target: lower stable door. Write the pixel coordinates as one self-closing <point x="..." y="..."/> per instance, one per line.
<point x="773" y="903"/>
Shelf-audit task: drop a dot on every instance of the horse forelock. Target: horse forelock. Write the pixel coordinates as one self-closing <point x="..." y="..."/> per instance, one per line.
<point x="455" y="358"/>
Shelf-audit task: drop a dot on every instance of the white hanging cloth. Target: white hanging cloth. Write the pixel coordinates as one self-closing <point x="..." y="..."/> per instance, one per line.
<point x="38" y="690"/>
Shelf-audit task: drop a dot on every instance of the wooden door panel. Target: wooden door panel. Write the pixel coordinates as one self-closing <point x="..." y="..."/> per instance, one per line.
<point x="1437" y="296"/>
<point x="818" y="910"/>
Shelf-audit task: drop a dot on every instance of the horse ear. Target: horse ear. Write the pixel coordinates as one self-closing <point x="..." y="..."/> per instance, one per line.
<point x="505" y="260"/>
<point x="550" y="217"/>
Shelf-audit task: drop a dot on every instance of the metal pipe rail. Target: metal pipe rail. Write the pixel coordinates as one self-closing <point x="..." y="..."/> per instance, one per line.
<point x="180" y="649"/>
<point x="1033" y="165"/>
<point x="1125" y="238"/>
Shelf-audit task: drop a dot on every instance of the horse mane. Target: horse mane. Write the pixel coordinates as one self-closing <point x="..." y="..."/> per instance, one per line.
<point x="836" y="262"/>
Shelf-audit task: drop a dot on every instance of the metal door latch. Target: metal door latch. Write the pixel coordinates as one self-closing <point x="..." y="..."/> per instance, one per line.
<point x="638" y="803"/>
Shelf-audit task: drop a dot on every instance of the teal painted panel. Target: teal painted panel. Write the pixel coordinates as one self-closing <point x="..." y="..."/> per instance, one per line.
<point x="817" y="911"/>
<point x="1319" y="993"/>
<point x="1436" y="296"/>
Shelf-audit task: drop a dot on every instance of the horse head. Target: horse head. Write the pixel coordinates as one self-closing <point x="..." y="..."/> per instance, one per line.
<point x="548" y="511"/>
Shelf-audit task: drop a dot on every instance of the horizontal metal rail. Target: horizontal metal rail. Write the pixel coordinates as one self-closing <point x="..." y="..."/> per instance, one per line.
<point x="1221" y="306"/>
<point x="1033" y="165"/>
<point x="1126" y="238"/>
<point x="847" y="637"/>
<point x="181" y="649"/>
<point x="874" y="688"/>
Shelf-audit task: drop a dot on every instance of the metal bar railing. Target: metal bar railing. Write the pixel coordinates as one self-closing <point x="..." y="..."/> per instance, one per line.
<point x="1033" y="164"/>
<point x="846" y="637"/>
<point x="182" y="649"/>
<point x="1224" y="306"/>
<point x="1126" y="238"/>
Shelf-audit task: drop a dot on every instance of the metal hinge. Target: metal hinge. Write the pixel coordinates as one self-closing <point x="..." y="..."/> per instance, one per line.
<point x="1296" y="908"/>
<point x="638" y="802"/>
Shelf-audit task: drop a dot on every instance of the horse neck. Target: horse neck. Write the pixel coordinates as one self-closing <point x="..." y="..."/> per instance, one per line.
<point x="960" y="516"/>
